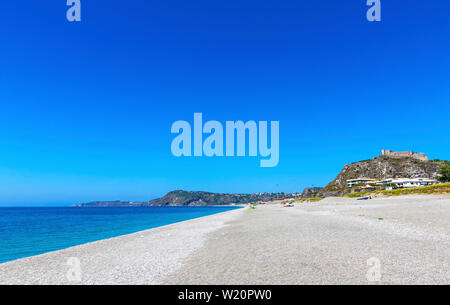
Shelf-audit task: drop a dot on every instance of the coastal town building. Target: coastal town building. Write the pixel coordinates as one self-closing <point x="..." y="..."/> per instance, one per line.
<point x="404" y="154"/>
<point x="352" y="182"/>
<point x="408" y="182"/>
<point x="398" y="182"/>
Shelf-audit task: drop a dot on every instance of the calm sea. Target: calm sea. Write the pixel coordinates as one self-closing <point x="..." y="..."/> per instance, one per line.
<point x="31" y="231"/>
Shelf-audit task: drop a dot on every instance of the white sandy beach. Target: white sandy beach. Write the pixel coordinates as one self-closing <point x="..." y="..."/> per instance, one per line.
<point x="328" y="242"/>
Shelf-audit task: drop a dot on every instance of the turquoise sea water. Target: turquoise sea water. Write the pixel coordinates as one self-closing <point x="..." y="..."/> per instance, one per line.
<point x="31" y="231"/>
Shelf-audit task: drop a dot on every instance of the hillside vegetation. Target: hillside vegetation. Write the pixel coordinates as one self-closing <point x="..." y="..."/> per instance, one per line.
<point x="381" y="167"/>
<point x="443" y="188"/>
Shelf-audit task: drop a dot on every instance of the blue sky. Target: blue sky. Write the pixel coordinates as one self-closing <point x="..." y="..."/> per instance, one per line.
<point x="86" y="108"/>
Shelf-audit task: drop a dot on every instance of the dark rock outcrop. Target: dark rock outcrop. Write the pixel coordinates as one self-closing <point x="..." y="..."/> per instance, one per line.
<point x="311" y="192"/>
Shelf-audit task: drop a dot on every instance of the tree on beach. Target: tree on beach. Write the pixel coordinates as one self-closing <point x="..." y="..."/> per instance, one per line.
<point x="444" y="173"/>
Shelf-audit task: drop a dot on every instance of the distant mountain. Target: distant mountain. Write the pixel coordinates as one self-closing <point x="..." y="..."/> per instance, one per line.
<point x="186" y="198"/>
<point x="381" y="167"/>
<point x="116" y="203"/>
<point x="189" y="198"/>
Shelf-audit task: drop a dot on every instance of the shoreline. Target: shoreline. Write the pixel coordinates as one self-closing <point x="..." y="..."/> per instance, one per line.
<point x="137" y="258"/>
<point x="327" y="242"/>
<point x="107" y="234"/>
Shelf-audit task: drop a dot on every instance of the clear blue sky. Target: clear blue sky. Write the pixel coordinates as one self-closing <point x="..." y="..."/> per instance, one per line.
<point x="86" y="108"/>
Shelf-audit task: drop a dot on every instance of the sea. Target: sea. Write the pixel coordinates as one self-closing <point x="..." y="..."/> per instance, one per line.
<point x="28" y="231"/>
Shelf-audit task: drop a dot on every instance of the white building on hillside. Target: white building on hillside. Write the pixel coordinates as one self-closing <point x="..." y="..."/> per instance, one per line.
<point x="413" y="182"/>
<point x="407" y="182"/>
<point x="352" y="182"/>
<point x="399" y="182"/>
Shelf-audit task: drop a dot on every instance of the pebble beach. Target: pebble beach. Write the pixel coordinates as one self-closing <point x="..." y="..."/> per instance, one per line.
<point x="392" y="240"/>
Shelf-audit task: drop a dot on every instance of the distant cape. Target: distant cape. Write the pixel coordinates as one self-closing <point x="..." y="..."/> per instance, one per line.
<point x="191" y="198"/>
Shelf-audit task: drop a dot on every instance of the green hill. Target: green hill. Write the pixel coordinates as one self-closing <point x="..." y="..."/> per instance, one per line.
<point x="187" y="198"/>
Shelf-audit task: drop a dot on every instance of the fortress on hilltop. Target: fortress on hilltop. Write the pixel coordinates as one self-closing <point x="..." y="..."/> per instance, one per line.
<point x="404" y="154"/>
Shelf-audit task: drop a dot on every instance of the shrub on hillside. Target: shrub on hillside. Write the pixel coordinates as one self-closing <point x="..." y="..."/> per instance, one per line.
<point x="444" y="173"/>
